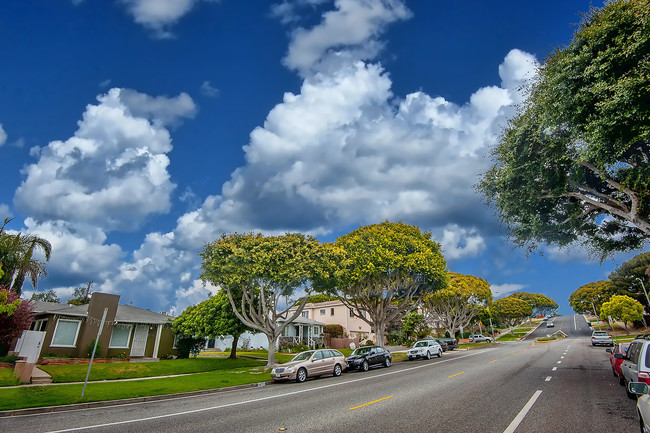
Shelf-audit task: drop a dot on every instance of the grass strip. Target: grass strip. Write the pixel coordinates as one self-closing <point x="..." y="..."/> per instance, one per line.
<point x="130" y="370"/>
<point x="40" y="396"/>
<point x="7" y="377"/>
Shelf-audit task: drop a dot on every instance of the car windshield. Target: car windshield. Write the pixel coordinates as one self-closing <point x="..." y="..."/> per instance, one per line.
<point x="302" y="356"/>
<point x="361" y="351"/>
<point x="601" y="333"/>
<point x="421" y="344"/>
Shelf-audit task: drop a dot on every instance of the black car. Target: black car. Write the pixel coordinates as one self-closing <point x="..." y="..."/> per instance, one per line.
<point x="367" y="356"/>
<point x="448" y="343"/>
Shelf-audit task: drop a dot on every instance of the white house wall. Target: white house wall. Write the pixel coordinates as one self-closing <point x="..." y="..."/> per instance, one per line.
<point x="247" y="339"/>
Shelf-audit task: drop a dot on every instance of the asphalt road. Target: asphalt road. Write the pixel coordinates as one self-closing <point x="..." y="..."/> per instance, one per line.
<point x="563" y="386"/>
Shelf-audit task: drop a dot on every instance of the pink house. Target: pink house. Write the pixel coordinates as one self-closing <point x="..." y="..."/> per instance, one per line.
<point x="335" y="313"/>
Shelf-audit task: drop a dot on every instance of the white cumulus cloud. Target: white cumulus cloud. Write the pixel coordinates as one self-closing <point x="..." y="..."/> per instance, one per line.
<point x="3" y="135"/>
<point x="159" y="15"/>
<point x="113" y="171"/>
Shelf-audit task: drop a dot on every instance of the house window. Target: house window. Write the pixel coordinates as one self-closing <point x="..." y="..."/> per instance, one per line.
<point x="38" y="325"/>
<point x="331" y="311"/>
<point x="322" y="312"/>
<point x="120" y="337"/>
<point x="65" y="333"/>
<point x="351" y="312"/>
<point x="305" y="314"/>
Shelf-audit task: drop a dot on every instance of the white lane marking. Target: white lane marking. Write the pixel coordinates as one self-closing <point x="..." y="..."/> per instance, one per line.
<point x="559" y="362"/>
<point x="520" y="416"/>
<point x="548" y="379"/>
<point x="255" y="400"/>
<point x="561" y="357"/>
<point x="554" y="368"/>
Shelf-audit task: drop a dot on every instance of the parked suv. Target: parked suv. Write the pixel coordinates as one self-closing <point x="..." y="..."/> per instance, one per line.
<point x="636" y="363"/>
<point x="425" y="349"/>
<point x="478" y="338"/>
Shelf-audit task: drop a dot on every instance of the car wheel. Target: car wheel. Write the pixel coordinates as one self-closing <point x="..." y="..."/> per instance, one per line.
<point x="439" y="353"/>
<point x="365" y="366"/>
<point x="428" y="355"/>
<point x="337" y="370"/>
<point x="301" y="376"/>
<point x="387" y="362"/>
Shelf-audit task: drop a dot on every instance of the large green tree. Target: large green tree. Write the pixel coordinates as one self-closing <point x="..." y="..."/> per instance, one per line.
<point x="590" y="297"/>
<point x="631" y="277"/>
<point x="49" y="296"/>
<point x="211" y="318"/>
<point x="385" y="270"/>
<point x="574" y="165"/>
<point x="511" y="310"/>
<point x="623" y="308"/>
<point x="17" y="258"/>
<point x="266" y="276"/>
<point x="540" y="304"/>
<point x="458" y="304"/>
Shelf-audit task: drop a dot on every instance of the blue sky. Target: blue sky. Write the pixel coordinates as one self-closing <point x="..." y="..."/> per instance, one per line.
<point x="135" y="131"/>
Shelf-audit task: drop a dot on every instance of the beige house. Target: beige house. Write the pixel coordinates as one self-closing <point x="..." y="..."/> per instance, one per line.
<point x="336" y="313"/>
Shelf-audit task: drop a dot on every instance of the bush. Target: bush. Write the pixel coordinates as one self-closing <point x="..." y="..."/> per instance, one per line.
<point x="98" y="350"/>
<point x="369" y="343"/>
<point x="189" y="345"/>
<point x="11" y="359"/>
<point x="335" y="331"/>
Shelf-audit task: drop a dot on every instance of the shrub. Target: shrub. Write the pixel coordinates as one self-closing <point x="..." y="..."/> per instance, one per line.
<point x="369" y="343"/>
<point x="98" y="349"/>
<point x="189" y="345"/>
<point x="335" y="331"/>
<point x="11" y="359"/>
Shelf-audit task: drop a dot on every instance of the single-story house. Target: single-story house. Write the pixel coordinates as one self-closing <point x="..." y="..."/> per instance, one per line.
<point x="128" y="331"/>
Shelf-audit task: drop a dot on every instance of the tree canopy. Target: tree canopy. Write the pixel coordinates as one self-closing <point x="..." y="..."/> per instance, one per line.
<point x="629" y="278"/>
<point x="17" y="258"/>
<point x="539" y="303"/>
<point x="511" y="310"/>
<point x="385" y="270"/>
<point x="574" y="165"/>
<point x="590" y="296"/>
<point x="261" y="274"/>
<point x="211" y="318"/>
<point x="49" y="296"/>
<point x="623" y="308"/>
<point x="458" y="304"/>
<point x="15" y="315"/>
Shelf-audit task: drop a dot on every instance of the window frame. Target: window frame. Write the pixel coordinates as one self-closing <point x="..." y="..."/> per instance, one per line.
<point x="76" y="335"/>
<point x="128" y="340"/>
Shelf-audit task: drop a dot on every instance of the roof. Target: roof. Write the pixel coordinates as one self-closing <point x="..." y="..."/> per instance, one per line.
<point x="303" y="321"/>
<point x="125" y="313"/>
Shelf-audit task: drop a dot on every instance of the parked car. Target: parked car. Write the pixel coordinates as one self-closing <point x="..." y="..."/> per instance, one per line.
<point x="635" y="366"/>
<point x="479" y="338"/>
<point x="425" y="349"/>
<point x="620" y="348"/>
<point x="601" y="338"/>
<point x="448" y="343"/>
<point x="310" y="363"/>
<point x="365" y="357"/>
<point x="640" y="390"/>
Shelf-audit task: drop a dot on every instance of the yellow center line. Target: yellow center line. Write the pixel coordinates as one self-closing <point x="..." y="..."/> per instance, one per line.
<point x="457" y="374"/>
<point x="492" y="361"/>
<point x="372" y="402"/>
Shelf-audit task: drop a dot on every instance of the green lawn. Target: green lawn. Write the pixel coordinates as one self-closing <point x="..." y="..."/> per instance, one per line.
<point x="38" y="396"/>
<point x="7" y="377"/>
<point x="128" y="370"/>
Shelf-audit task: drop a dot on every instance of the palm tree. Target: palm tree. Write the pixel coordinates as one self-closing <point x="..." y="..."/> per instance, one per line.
<point x="16" y="253"/>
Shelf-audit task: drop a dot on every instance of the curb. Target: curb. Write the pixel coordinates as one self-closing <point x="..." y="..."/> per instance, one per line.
<point x="107" y="403"/>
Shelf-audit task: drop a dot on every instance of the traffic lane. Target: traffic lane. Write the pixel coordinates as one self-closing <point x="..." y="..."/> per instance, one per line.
<point x="120" y="413"/>
<point x="420" y="397"/>
<point x="581" y="394"/>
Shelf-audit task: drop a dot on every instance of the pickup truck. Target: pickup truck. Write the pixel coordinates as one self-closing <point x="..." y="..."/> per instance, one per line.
<point x="478" y="338"/>
<point x="601" y="338"/>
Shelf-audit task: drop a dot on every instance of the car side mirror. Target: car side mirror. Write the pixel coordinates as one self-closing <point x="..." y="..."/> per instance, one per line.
<point x="638" y="388"/>
<point x="608" y="350"/>
<point x="618" y="355"/>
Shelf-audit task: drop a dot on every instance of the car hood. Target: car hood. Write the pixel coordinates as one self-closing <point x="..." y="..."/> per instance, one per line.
<point x="289" y="364"/>
<point x="352" y="358"/>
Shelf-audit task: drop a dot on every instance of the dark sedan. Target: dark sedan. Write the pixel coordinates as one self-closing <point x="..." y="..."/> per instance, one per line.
<point x="365" y="357"/>
<point x="448" y="343"/>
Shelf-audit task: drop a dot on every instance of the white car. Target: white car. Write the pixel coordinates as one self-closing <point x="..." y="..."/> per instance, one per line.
<point x="425" y="349"/>
<point x="640" y="389"/>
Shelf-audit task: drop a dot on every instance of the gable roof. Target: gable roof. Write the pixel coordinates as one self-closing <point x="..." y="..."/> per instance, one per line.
<point x="125" y="313"/>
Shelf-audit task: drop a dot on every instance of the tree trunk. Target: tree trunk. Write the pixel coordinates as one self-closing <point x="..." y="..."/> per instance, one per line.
<point x="271" y="359"/>
<point x="233" y="348"/>
<point x="379" y="333"/>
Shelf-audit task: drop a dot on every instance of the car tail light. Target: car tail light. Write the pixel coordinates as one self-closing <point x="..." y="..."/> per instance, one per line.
<point x="644" y="377"/>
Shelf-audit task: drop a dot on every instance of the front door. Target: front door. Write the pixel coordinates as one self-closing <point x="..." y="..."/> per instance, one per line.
<point x="139" y="340"/>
